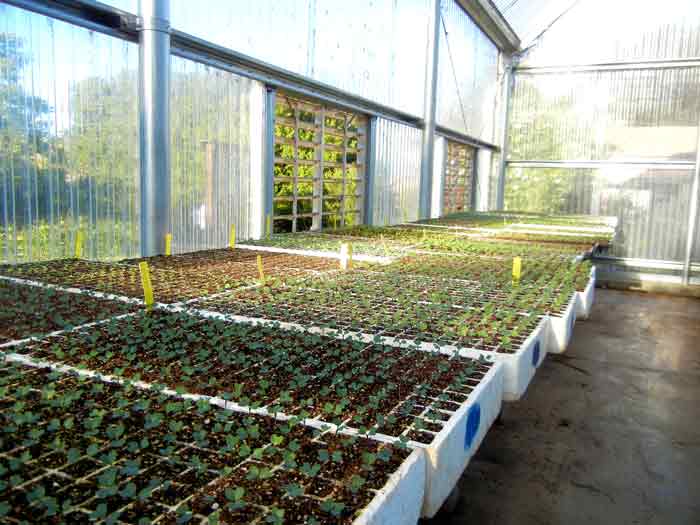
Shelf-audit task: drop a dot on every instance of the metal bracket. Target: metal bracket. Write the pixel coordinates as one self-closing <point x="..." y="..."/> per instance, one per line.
<point x="139" y="23"/>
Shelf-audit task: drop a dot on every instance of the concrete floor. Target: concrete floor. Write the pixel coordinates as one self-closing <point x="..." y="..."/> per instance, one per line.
<point x="608" y="432"/>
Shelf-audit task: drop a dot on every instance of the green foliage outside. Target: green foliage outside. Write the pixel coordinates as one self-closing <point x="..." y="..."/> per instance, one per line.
<point x="54" y="182"/>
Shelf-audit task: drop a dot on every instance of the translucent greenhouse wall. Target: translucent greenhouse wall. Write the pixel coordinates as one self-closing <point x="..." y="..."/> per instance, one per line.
<point x="70" y="159"/>
<point x="372" y="48"/>
<point x="651" y="205"/>
<point x="606" y="115"/>
<point x="397" y="160"/>
<point x="216" y="135"/>
<point x="69" y="139"/>
<point x="609" y="125"/>
<point x="601" y="31"/>
<point x="467" y="75"/>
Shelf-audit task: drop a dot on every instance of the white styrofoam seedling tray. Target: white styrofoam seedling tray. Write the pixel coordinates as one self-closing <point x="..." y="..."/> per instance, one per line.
<point x="423" y="481"/>
<point x="561" y="327"/>
<point x="399" y="500"/>
<point x="586" y="297"/>
<point x="318" y="253"/>
<point x="520" y="366"/>
<point x="556" y="229"/>
<point x="454" y="446"/>
<point x="73" y="289"/>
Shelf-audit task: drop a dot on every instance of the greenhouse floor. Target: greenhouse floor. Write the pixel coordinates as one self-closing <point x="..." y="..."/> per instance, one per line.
<point x="607" y="433"/>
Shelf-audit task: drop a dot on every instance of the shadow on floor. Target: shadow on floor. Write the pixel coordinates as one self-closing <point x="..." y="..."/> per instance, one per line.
<point x="608" y="432"/>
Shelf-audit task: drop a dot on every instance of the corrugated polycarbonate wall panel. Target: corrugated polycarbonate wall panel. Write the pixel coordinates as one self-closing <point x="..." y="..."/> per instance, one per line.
<point x="397" y="159"/>
<point x="598" y="31"/>
<point x="372" y="48"/>
<point x="651" y="205"/>
<point x="216" y="151"/>
<point x="68" y="139"/>
<point x="467" y="75"/>
<point x="605" y="115"/>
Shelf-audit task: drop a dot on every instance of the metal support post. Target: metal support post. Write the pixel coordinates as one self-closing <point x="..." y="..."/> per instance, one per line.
<point x="692" y="216"/>
<point x="507" y="94"/>
<point x="154" y="116"/>
<point x="269" y="163"/>
<point x="371" y="166"/>
<point x="428" y="146"/>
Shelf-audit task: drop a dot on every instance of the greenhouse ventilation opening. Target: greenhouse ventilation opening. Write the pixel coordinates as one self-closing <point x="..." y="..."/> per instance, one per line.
<point x="274" y="261"/>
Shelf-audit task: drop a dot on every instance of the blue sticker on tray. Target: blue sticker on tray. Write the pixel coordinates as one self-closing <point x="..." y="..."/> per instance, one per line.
<point x="473" y="420"/>
<point x="536" y="354"/>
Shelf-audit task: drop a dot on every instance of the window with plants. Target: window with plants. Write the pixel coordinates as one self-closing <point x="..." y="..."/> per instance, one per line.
<point x="319" y="167"/>
<point x="458" y="178"/>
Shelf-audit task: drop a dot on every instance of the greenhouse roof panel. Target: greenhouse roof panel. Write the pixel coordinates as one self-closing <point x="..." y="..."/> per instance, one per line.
<point x="529" y="18"/>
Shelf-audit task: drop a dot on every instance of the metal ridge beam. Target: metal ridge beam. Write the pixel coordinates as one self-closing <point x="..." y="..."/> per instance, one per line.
<point x="610" y="66"/>
<point x="85" y="13"/>
<point x="464" y="139"/>
<point x="651" y="163"/>
<point x="491" y="21"/>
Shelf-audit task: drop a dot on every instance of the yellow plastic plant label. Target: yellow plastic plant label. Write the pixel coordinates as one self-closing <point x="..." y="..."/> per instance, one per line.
<point x="168" y="244"/>
<point x="386" y="250"/>
<point x="78" y="244"/>
<point x="268" y="225"/>
<point x="517" y="268"/>
<point x="232" y="239"/>
<point x="349" y="255"/>
<point x="260" y="269"/>
<point x="146" y="283"/>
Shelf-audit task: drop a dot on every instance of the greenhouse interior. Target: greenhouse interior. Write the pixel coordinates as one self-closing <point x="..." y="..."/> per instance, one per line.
<point x="466" y="230"/>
